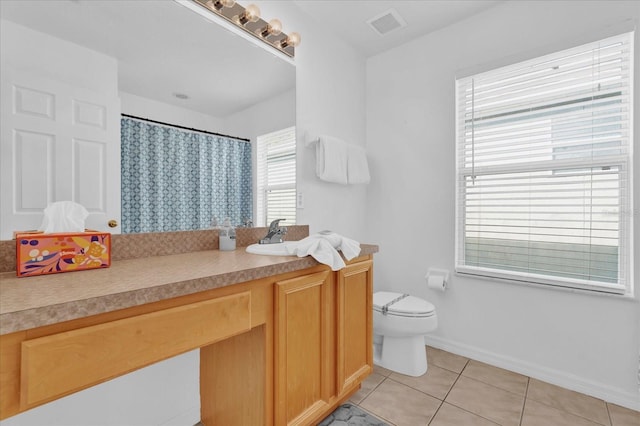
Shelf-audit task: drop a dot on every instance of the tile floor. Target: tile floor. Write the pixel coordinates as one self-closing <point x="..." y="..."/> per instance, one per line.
<point x="459" y="391"/>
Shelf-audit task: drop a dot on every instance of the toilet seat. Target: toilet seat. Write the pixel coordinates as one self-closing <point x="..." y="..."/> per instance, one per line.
<point x="409" y="306"/>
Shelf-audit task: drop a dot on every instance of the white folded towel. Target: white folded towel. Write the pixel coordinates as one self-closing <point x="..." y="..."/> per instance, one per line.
<point x="357" y="166"/>
<point x="331" y="159"/>
<point x="323" y="248"/>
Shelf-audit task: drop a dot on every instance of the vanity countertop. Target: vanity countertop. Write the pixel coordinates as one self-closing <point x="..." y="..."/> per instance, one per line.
<point x="37" y="301"/>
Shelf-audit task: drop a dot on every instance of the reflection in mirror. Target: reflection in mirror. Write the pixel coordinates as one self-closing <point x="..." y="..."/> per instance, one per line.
<point x="76" y="66"/>
<point x="176" y="179"/>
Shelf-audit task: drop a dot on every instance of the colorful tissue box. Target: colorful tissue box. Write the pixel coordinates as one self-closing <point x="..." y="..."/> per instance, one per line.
<point x="40" y="254"/>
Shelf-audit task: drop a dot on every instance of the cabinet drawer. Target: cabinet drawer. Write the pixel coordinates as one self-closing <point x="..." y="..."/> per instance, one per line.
<point x="57" y="365"/>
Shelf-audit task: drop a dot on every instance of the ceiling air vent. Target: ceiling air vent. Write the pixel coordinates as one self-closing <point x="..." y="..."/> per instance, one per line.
<point x="387" y="22"/>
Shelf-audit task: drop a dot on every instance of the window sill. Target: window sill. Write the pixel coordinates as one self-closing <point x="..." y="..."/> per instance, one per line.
<point x="631" y="297"/>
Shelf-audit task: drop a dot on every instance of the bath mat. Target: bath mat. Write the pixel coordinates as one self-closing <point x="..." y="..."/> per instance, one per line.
<point x="350" y="415"/>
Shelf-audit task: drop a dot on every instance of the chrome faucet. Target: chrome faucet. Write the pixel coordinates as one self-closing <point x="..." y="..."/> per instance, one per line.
<point x="275" y="234"/>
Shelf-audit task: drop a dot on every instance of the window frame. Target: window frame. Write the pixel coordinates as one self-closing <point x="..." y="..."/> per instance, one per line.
<point x="262" y="177"/>
<point x="625" y="219"/>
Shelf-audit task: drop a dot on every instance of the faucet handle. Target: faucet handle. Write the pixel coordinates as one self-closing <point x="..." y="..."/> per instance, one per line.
<point x="274" y="225"/>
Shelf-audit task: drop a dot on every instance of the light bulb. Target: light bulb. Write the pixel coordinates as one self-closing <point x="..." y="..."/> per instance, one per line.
<point x="250" y="14"/>
<point x="274" y="27"/>
<point x="292" y="39"/>
<point x="219" y="4"/>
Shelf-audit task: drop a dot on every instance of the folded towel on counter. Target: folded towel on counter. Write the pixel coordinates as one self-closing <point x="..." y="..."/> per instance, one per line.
<point x="357" y="166"/>
<point x="324" y="247"/>
<point x="331" y="159"/>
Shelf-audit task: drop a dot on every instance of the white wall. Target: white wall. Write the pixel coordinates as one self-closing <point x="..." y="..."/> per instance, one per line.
<point x="159" y="111"/>
<point x="56" y="59"/>
<point x="585" y="342"/>
<point x="330" y="99"/>
<point x="269" y="116"/>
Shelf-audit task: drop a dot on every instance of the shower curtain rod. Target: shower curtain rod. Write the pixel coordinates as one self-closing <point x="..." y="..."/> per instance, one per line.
<point x="185" y="128"/>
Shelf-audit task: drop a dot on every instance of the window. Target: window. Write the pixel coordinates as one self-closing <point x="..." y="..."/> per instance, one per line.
<point x="276" y="158"/>
<point x="543" y="169"/>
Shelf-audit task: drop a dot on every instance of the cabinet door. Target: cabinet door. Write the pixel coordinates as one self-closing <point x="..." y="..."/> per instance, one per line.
<point x="354" y="325"/>
<point x="302" y="352"/>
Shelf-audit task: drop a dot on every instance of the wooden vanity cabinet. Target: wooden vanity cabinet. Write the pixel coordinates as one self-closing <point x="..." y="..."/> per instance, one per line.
<point x="323" y="341"/>
<point x="280" y="350"/>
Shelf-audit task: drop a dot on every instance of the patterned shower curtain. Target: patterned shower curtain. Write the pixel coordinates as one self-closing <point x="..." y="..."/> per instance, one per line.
<point x="175" y="179"/>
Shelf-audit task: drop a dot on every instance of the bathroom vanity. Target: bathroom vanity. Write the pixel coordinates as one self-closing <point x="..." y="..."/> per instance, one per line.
<point x="283" y="340"/>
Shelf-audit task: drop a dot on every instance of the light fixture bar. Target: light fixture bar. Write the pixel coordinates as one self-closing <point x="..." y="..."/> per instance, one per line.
<point x="248" y="19"/>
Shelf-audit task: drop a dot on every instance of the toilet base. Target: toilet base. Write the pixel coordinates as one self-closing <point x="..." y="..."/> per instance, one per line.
<point x="404" y="355"/>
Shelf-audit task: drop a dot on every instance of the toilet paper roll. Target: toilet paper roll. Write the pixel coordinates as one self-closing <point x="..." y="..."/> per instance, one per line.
<point x="437" y="282"/>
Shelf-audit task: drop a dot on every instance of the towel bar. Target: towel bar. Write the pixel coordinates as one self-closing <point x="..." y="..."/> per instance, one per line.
<point x="309" y="139"/>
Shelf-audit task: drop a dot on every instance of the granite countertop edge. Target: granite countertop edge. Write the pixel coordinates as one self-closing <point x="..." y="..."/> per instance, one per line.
<point x="17" y="319"/>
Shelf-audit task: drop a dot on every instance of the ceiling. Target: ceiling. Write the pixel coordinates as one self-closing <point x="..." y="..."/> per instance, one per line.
<point x="348" y="19"/>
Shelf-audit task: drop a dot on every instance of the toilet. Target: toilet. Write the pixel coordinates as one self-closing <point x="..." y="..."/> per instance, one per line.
<point x="400" y="322"/>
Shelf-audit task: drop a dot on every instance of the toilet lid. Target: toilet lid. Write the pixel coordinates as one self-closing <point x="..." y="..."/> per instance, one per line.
<point x="409" y="306"/>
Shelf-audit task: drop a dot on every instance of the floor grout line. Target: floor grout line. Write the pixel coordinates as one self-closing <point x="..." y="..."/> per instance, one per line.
<point x="471" y="412"/>
<point x="436" y="412"/>
<point x="496" y="387"/>
<point x="454" y="384"/>
<point x="524" y="403"/>
<point x="464" y="409"/>
<point x="372" y="390"/>
<point x="451" y="388"/>
<point x="609" y="413"/>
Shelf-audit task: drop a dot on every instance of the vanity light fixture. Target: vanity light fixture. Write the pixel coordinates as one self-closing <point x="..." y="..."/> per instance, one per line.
<point x="219" y="4"/>
<point x="248" y="19"/>
<point x="274" y="27"/>
<point x="250" y="14"/>
<point x="292" y="39"/>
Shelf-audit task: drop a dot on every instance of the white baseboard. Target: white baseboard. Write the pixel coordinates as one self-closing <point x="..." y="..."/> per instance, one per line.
<point x="555" y="377"/>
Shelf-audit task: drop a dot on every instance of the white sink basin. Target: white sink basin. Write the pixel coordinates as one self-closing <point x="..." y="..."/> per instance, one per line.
<point x="278" y="249"/>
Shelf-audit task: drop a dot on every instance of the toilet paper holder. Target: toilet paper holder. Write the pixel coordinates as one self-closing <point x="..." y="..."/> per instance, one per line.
<point x="435" y="272"/>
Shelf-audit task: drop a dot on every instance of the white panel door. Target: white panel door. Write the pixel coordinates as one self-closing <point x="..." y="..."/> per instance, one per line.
<point x="58" y="142"/>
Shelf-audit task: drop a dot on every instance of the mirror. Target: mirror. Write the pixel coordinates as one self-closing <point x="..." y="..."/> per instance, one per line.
<point x="163" y="51"/>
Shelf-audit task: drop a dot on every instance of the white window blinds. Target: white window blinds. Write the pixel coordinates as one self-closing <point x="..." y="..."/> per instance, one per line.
<point x="276" y="176"/>
<point x="544" y="169"/>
